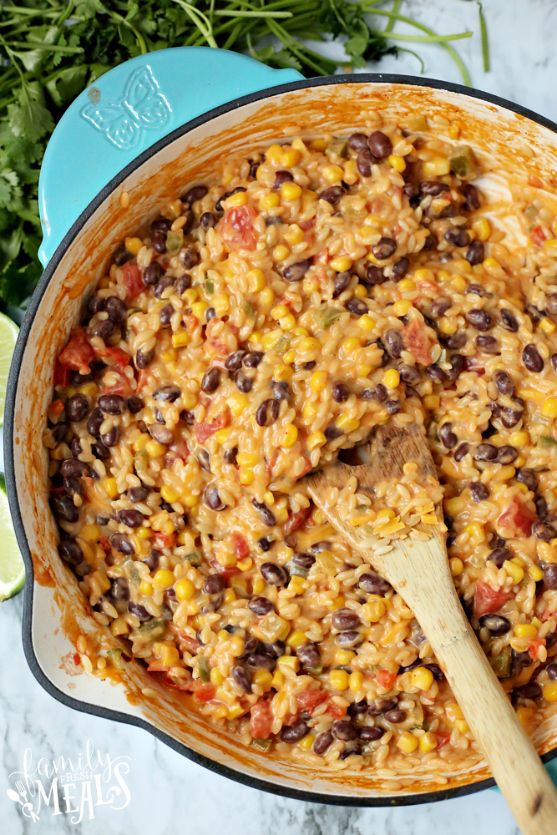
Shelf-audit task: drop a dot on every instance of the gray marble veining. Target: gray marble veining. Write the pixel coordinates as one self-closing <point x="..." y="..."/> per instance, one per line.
<point x="168" y="793"/>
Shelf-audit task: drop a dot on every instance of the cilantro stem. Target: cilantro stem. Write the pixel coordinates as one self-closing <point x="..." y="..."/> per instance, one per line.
<point x="392" y="20"/>
<point x="200" y="20"/>
<point x="458" y="36"/>
<point x="485" y="38"/>
<point x="242" y="13"/>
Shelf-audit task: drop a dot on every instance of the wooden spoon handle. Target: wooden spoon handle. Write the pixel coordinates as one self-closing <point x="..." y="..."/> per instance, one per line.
<point x="516" y="766"/>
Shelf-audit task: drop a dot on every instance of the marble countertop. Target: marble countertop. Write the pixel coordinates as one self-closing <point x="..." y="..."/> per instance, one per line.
<point x="167" y="792"/>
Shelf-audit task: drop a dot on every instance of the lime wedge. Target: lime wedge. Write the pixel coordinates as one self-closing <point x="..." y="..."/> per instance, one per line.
<point x="8" y="336"/>
<point x="12" y="572"/>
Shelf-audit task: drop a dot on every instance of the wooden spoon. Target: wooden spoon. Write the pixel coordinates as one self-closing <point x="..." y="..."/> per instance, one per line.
<point x="419" y="571"/>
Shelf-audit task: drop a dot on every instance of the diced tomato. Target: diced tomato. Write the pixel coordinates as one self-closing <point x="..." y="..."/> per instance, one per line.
<point x="133" y="279"/>
<point x="488" y="600"/>
<point x="296" y="520"/>
<point x="204" y="692"/>
<point x="418" y="341"/>
<point x="534" y="647"/>
<point x="78" y="352"/>
<point x="56" y="407"/>
<point x="155" y="666"/>
<point x="114" y="357"/>
<point x="442" y="738"/>
<point x="104" y="542"/>
<point x="261" y="720"/>
<point x="237" y="227"/>
<point x="184" y="683"/>
<point x="307" y="224"/>
<point x="240" y="545"/>
<point x="336" y="711"/>
<point x="121" y="385"/>
<point x="308" y="700"/>
<point x="164" y="540"/>
<point x="61" y="374"/>
<point x="207" y="428"/>
<point x="517" y="519"/>
<point x="226" y="571"/>
<point x="76" y="659"/>
<point x="538" y="235"/>
<point x="385" y="678"/>
<point x="177" y="451"/>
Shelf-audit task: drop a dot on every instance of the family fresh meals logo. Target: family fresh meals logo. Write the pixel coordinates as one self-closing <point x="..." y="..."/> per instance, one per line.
<point x="75" y="786"/>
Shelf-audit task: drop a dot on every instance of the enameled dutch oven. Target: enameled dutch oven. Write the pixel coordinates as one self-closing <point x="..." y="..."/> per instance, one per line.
<point x="127" y="145"/>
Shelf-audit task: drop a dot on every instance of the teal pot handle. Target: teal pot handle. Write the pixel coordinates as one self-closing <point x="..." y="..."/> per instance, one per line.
<point x="127" y="110"/>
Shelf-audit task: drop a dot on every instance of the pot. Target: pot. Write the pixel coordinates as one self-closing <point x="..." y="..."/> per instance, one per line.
<point x="137" y="138"/>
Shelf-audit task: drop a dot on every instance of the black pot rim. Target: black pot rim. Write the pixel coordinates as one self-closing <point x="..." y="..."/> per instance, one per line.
<point x="27" y="620"/>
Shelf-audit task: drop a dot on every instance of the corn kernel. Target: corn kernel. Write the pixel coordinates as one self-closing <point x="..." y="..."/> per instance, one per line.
<point x="133" y="245"/>
<point x="316" y="439"/>
<point x="278" y="311"/>
<point x="482" y="228"/>
<point x="351" y="344"/>
<point x="428" y="742"/>
<point x="524" y="715"/>
<point x="154" y="449"/>
<point x="263" y="678"/>
<point x="184" y="589"/>
<point x="397" y="162"/>
<point x="289" y="357"/>
<point x="332" y="174"/>
<point x="222" y="435"/>
<point x="421" y="677"/>
<point x="280" y="252"/>
<point x="221" y="303"/>
<point x="407" y="742"/>
<point x="243" y="565"/>
<point x="309" y="343"/>
<point x="360" y="291"/>
<point x="341" y="264"/>
<point x="476" y="532"/>
<point x="548" y="326"/>
<point x="447" y="326"/>
<point x="549" y="408"/>
<point x="549" y="692"/>
<point x="401" y="308"/>
<point x="216" y="677"/>
<point x="391" y="378"/>
<point x="457" y="566"/>
<point x="318" y="381"/>
<point x="356" y="681"/>
<point x="307" y="741"/>
<point x="199" y="309"/>
<point x="459" y="283"/>
<point x="290" y="435"/>
<point x="145" y="588"/>
<point x="110" y="487"/>
<point x="344" y="657"/>
<point x="163" y="579"/>
<point x="351" y="175"/>
<point x="462" y="726"/>
<point x="515" y="572"/>
<point x="520" y="439"/>
<point x="453" y="712"/>
<point x="551" y="244"/>
<point x="296" y="639"/>
<point x="287" y="323"/>
<point x="235" y="711"/>
<point x="309" y="411"/>
<point x="278" y="680"/>
<point x="269" y="201"/>
<point x="237" y="402"/>
<point x="491" y="264"/>
<point x="288" y="663"/>
<point x="294" y="235"/>
<point x="338" y="679"/>
<point x="235" y="200"/>
<point x="535" y="573"/>
<point x="436" y="167"/>
<point x="90" y="533"/>
<point x="290" y="157"/>
<point x="180" y="339"/>
<point x="290" y="191"/>
<point x="366" y="323"/>
<point x="247" y="459"/>
<point x="347" y="423"/>
<point x="432" y="401"/>
<point x="236" y="645"/>
<point x="169" y="494"/>
<point x="256" y="279"/>
<point x="167" y="653"/>
<point x="526" y="630"/>
<point x="407" y="285"/>
<point x="246" y="476"/>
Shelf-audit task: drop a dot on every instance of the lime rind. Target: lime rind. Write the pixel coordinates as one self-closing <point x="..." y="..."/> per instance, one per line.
<point x="12" y="570"/>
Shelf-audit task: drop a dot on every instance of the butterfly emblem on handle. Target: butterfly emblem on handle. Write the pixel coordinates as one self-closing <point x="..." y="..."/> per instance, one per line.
<point x="143" y="106"/>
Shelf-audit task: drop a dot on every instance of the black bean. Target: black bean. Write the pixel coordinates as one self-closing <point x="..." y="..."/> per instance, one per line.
<point x="193" y="194"/>
<point x="165" y="315"/>
<point x="252" y="359"/>
<point x="373" y="583"/>
<point x="119" y="589"/>
<point x="112" y="404"/>
<point x="553" y="359"/>
<point x="461" y="450"/>
<point x="344" y="729"/>
<point x="344" y="619"/>
<point x="358" y="708"/>
<point x="340" y="283"/>
<point x="487" y="344"/>
<point x="183" y="283"/>
<point x="340" y="392"/>
<point x="266" y="514"/>
<point x="135" y="404"/>
<point x="478" y="290"/>
<point x="542" y="508"/>
<point x="433" y="188"/>
<point x="208" y="220"/>
<point x="471" y="196"/>
<point x="544" y="531"/>
<point x="438" y="673"/>
<point x="457" y="236"/>
<point x="204" y="459"/>
<point x="70" y="551"/>
<point x="500" y="555"/>
<point x="485" y="452"/>
<point x="380" y="706"/>
<point x="131" y="518"/>
<point x="393" y="406"/>
<point x="550" y="577"/>
<point x="332" y="195"/>
<point x="400" y="268"/>
<point x="260" y="605"/>
<point x="101" y="451"/>
<point x="349" y="638"/>
<point x="77" y="407"/>
<point x="161" y="224"/>
<point x="380" y="145"/>
<point x="153" y="273"/>
<point x="309" y="656"/>
<point x="230" y="455"/>
<point x="507" y="454"/>
<point x="103" y="328"/>
<point x="281" y="390"/>
<point x="393" y="343"/>
<point x="282" y="177"/>
<point x="139" y="611"/>
<point x="211" y="380"/>
<point x="212" y="499"/>
<point x="552" y="671"/>
<point x="242" y="678"/>
<point x="356" y="306"/>
<point x="384" y="248"/>
<point x="214" y="583"/>
<point x="447" y="436"/>
<point x="479" y="319"/>
<point x="165" y="282"/>
<point x="276" y="648"/>
<point x="478" y="491"/>
<point x="121" y="255"/>
<point x="59" y="431"/>
<point x="294" y="733"/>
<point x="295" y="272"/>
<point x="510" y="417"/>
<point x="367" y="733"/>
<point x="440" y="307"/>
<point x="357" y="141"/>
<point x="158" y="242"/>
<point x="167" y="394"/>
<point x="475" y="253"/>
<point x="267" y="412"/>
<point x="496" y="624"/>
<point x="528" y="477"/>
<point x="225" y="196"/>
<point x="138" y="494"/>
<point x="436" y="374"/>
<point x="374" y="276"/>
<point x="332" y="432"/>
<point x="532" y="358"/>
<point x="322" y="742"/>
<point x="504" y="383"/>
<point x="455" y="341"/>
<point x="120" y="542"/>
<point x="234" y="360"/>
<point x="73" y="468"/>
<point x="261" y="661"/>
<point x="94" y="422"/>
<point x="508" y="320"/>
<point x="364" y="161"/>
<point x="395" y="716"/>
<point x="273" y="574"/>
<point x="144" y="358"/>
<point x="111" y="437"/>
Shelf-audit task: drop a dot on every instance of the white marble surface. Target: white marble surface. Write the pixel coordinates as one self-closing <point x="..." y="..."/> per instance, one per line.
<point x="168" y="793"/>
